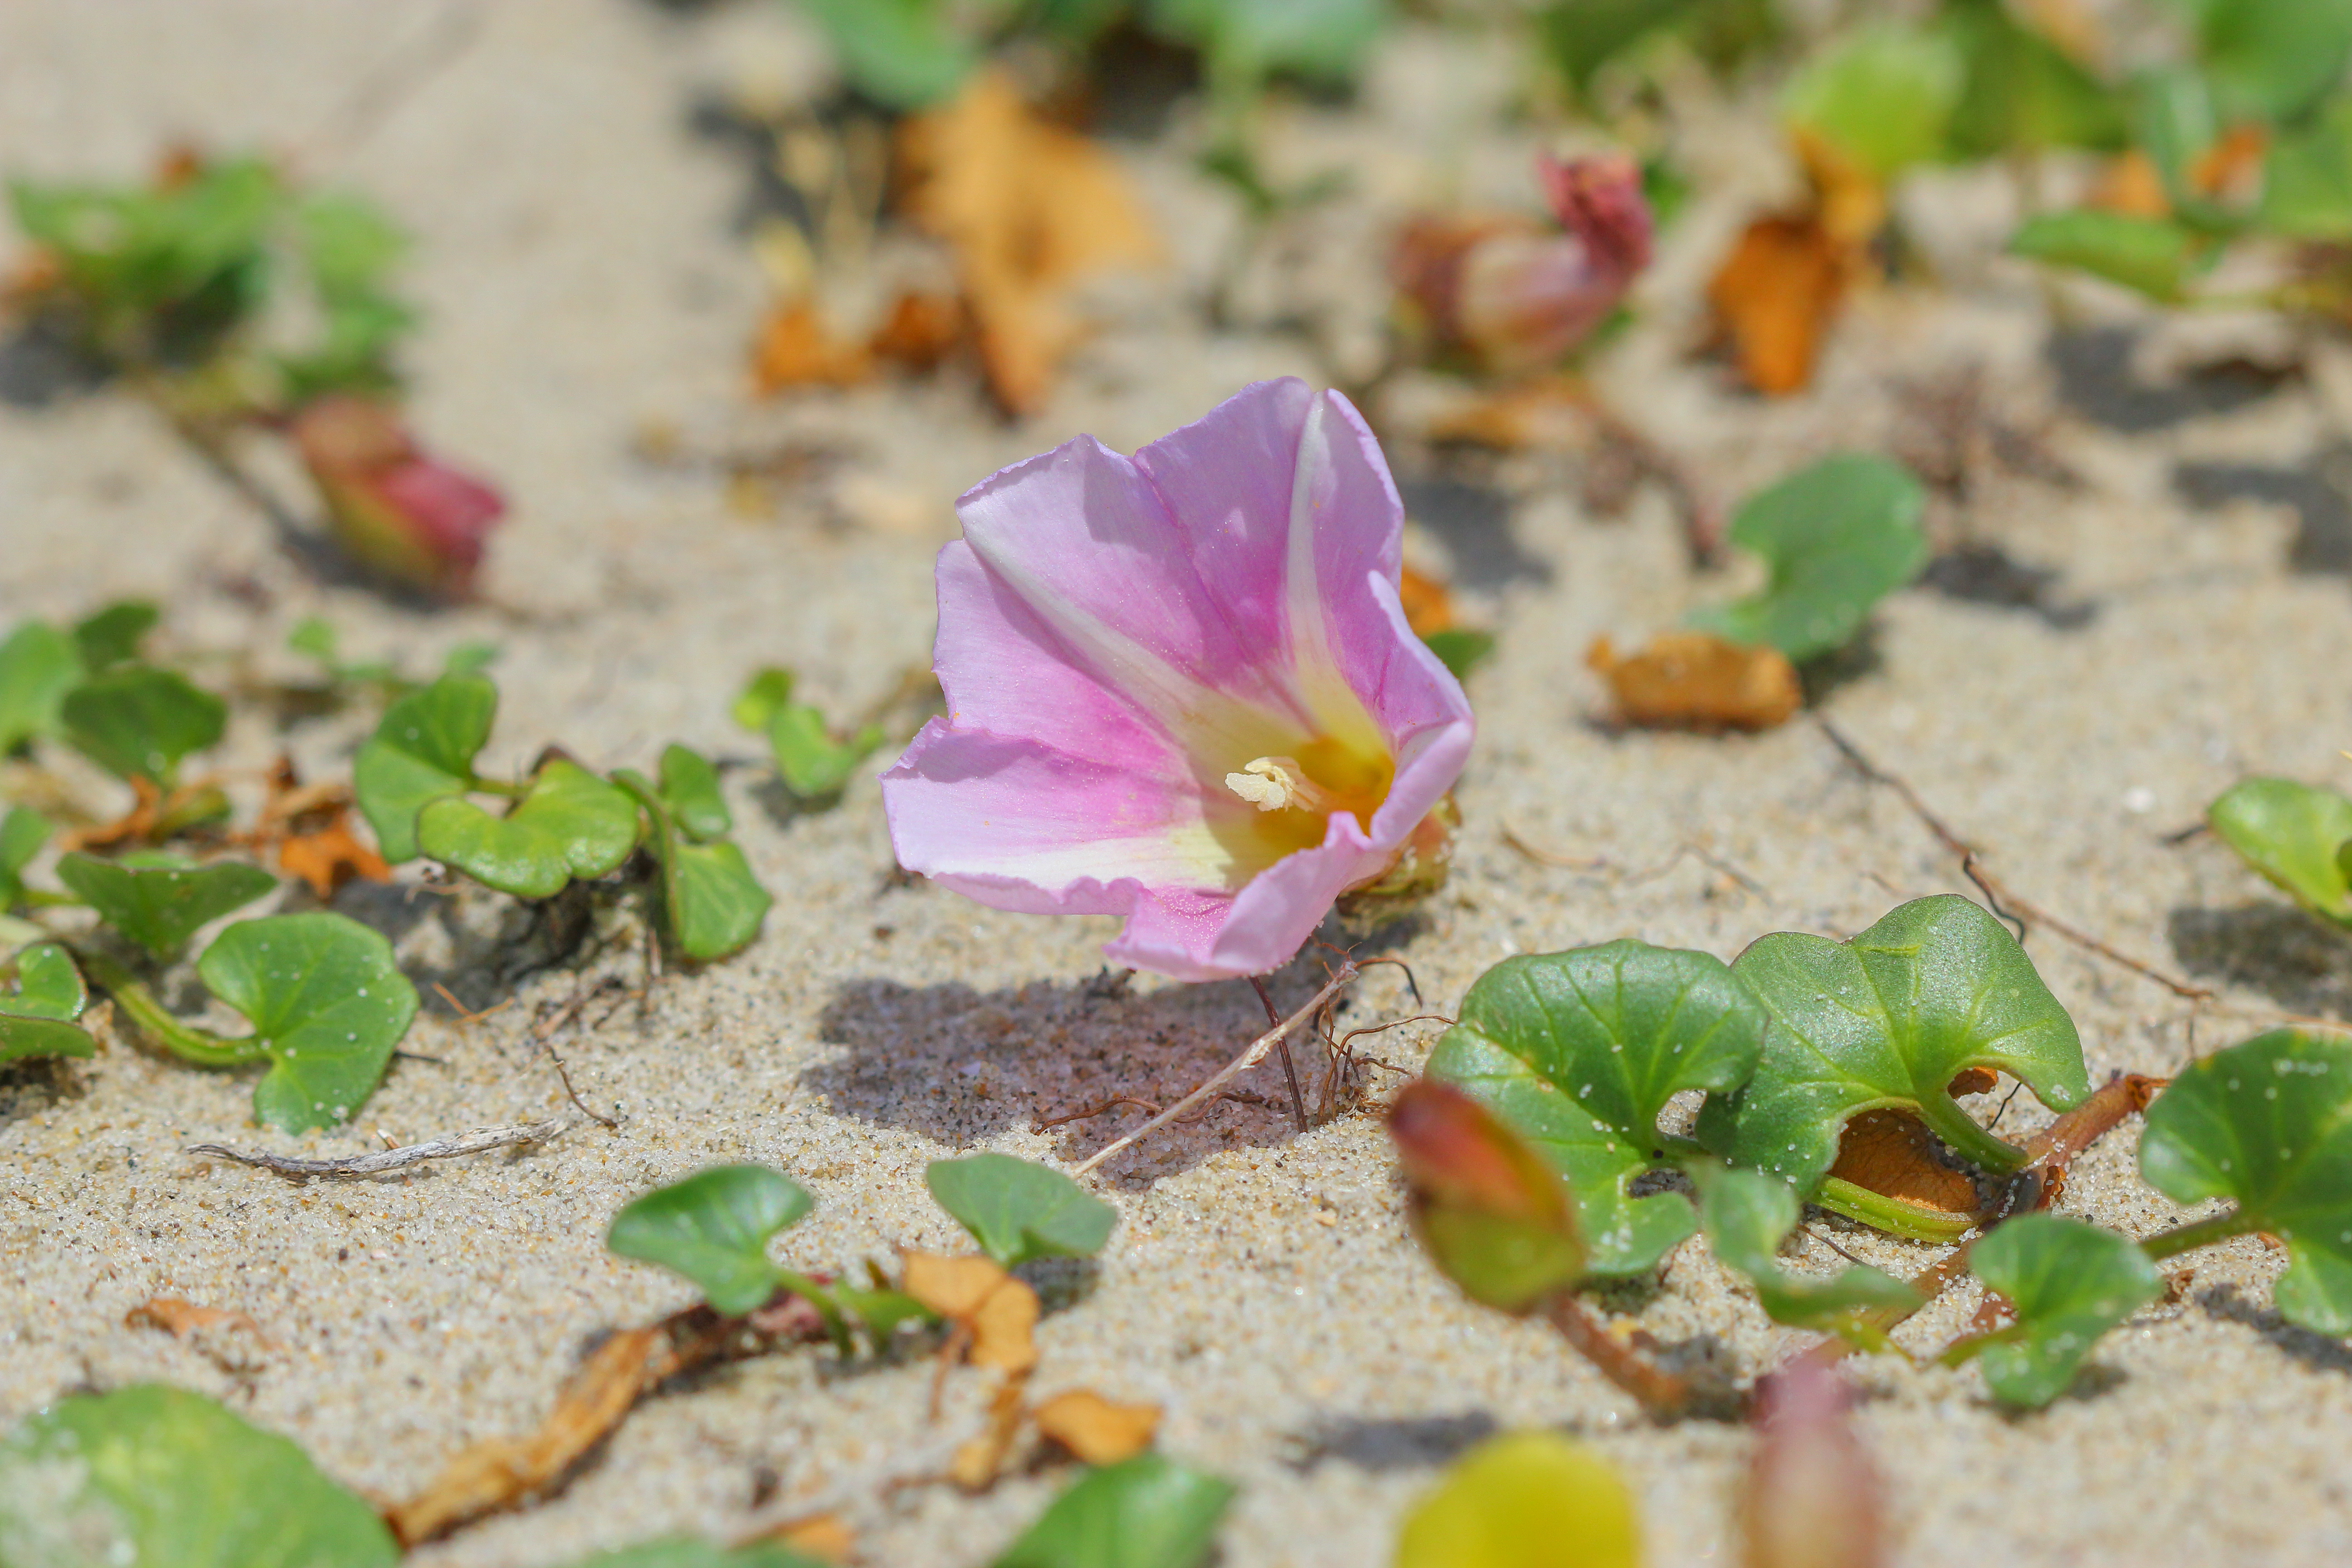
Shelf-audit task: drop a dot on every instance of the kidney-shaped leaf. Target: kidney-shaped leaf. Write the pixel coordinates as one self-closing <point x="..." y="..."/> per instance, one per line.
<point x="713" y="1227"/>
<point x="571" y="824"/>
<point x="328" y="1004"/>
<point x="689" y="787"/>
<point x="160" y="907"/>
<point x="1526" y="1500"/>
<point x="2269" y="1122"/>
<point x="1837" y="538"/>
<point x="2069" y="1282"/>
<point x="2291" y="833"/>
<point x="814" y="764"/>
<point x="710" y="901"/>
<point x="38" y="667"/>
<point x="1017" y="1210"/>
<point x="23" y="831"/>
<point x="1145" y="1512"/>
<point x="148" y="1477"/>
<point x="139" y="721"/>
<point x="1581" y="1050"/>
<point x="111" y="636"/>
<point x="1747" y="1216"/>
<point x="37" y="1018"/>
<point x="423" y="749"/>
<point x="1890" y="1018"/>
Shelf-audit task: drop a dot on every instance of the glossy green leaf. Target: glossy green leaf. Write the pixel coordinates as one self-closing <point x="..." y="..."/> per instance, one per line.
<point x="2271" y="60"/>
<point x="711" y="903"/>
<point x="2152" y="255"/>
<point x="903" y="54"/>
<point x="2020" y="92"/>
<point x="689" y="787"/>
<point x="1889" y="1019"/>
<point x="2269" y="1123"/>
<point x="1324" y="40"/>
<point x="570" y="823"/>
<point x="138" y="721"/>
<point x="763" y="698"/>
<point x="814" y="764"/>
<point x="422" y="751"/>
<point x="38" y="667"/>
<point x="2292" y="834"/>
<point x="1581" y="1050"/>
<point x="713" y="1227"/>
<point x="1747" y="1214"/>
<point x="2070" y="1283"/>
<point x="687" y="1552"/>
<point x="1460" y="649"/>
<point x="36" y="1017"/>
<point x="328" y="1004"/>
<point x="1017" y="1210"/>
<point x="150" y="1476"/>
<point x="160" y="907"/>
<point x="23" y="831"/>
<point x="113" y="635"/>
<point x="1880" y="93"/>
<point x="1525" y="1500"/>
<point x="1836" y="538"/>
<point x="1149" y="1511"/>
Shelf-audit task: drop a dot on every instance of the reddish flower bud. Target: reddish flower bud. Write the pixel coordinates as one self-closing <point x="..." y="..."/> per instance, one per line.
<point x="398" y="510"/>
<point x="1812" y="1496"/>
<point x="1491" y="1210"/>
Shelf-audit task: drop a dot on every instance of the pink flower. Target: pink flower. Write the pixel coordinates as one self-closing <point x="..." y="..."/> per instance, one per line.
<point x="1180" y="689"/>
<point x="390" y="505"/>
<point x="1813" y="1496"/>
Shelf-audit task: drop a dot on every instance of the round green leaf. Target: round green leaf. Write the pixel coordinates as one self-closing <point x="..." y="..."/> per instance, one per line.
<point x="1145" y="1512"/>
<point x="814" y="764"/>
<point x="23" y="831"/>
<point x="1880" y="93"/>
<point x="2269" y="1122"/>
<point x="1837" y="538"/>
<point x="710" y="902"/>
<point x="1526" y="1500"/>
<point x="571" y="824"/>
<point x="37" y="1018"/>
<point x="1581" y="1050"/>
<point x="148" y="1477"/>
<point x="139" y="721"/>
<point x="1747" y="1216"/>
<point x="2307" y="182"/>
<point x="2292" y="834"/>
<point x="2069" y="1282"/>
<point x="159" y="908"/>
<point x="113" y="635"/>
<point x="328" y="1004"/>
<point x="713" y="1227"/>
<point x="2269" y="60"/>
<point x="689" y="787"/>
<point x="1890" y="1018"/>
<point x="423" y="749"/>
<point x="1017" y="1210"/>
<point x="755" y="708"/>
<point x="2152" y="255"/>
<point x="38" y="667"/>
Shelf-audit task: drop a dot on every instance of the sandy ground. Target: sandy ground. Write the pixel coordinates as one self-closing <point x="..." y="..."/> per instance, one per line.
<point x="582" y="279"/>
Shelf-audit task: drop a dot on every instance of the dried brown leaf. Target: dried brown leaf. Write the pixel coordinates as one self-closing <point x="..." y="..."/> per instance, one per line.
<point x="1097" y="1431"/>
<point x="997" y="1311"/>
<point x="978" y="1463"/>
<point x="795" y="349"/>
<point x="1699" y="681"/>
<point x="1428" y="602"/>
<point x="1776" y="293"/>
<point x="921" y="330"/>
<point x="1892" y="1153"/>
<point x="181" y="1319"/>
<point x="331" y="856"/>
<point x="1547" y="413"/>
<point x="825" y="1536"/>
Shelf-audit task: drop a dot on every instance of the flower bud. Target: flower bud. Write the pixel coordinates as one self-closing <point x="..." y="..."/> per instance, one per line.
<point x="1491" y="1211"/>
<point x="1812" y="1496"/>
<point x="396" y="510"/>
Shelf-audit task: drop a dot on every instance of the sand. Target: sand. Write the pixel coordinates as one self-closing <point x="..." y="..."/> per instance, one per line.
<point x="576" y="257"/>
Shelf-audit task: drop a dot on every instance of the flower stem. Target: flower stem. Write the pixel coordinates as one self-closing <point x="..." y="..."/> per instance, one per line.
<point x="155" y="1020"/>
<point x="2199" y="1233"/>
<point x="1959" y="1128"/>
<point x="1891" y="1214"/>
<point x="1662" y="1393"/>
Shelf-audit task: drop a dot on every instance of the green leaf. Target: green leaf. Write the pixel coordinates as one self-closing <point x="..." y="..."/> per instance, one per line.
<point x="1146" y="1512"/>
<point x="1837" y="538"/>
<point x="1890" y="1018"/>
<point x="1583" y="35"/>
<point x="2069" y="1282"/>
<point x="2020" y="93"/>
<point x="1880" y="93"/>
<point x="814" y="764"/>
<point x="1525" y="1500"/>
<point x="1323" y="39"/>
<point x="711" y="902"/>
<point x="688" y="1552"/>
<point x="471" y="658"/>
<point x="328" y="1004"/>
<point x="38" y="667"/>
<point x="159" y="908"/>
<point x="2307" y="183"/>
<point x="1460" y="649"/>
<point x="570" y="823"/>
<point x="1017" y="1210"/>
<point x="1581" y="1050"/>
<point x="902" y="54"/>
<point x="22" y="833"/>
<point x="113" y="635"/>
<point x="2292" y="834"/>
<point x="1747" y="1216"/>
<point x="351" y="246"/>
<point x="2269" y="1123"/>
<point x="148" y="1477"/>
<point x="422" y="751"/>
<point x="2152" y="255"/>
<point x="139" y="721"/>
<point x="763" y="698"/>
<point x="713" y="1227"/>
<point x="37" y="1018"/>
<point x="1489" y="1209"/>
<point x="2271" y="60"/>
<point x="315" y="637"/>
<point x="689" y="787"/>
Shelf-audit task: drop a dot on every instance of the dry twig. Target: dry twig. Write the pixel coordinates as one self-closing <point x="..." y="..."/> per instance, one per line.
<point x="474" y="1142"/>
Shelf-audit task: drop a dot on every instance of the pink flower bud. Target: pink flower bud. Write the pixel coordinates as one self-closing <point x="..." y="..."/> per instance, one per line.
<point x="396" y="510"/>
<point x="1812" y="1496"/>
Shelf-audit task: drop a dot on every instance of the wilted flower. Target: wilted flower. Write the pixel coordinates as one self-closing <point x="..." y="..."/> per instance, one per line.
<point x="1813" y="1497"/>
<point x="1496" y="1219"/>
<point x="1180" y="689"/>
<point x="1518" y="296"/>
<point x="397" y="510"/>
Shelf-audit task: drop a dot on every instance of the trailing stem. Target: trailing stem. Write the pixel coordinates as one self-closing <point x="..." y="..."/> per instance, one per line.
<point x="1667" y="1395"/>
<point x="2198" y="1232"/>
<point x="156" y="1021"/>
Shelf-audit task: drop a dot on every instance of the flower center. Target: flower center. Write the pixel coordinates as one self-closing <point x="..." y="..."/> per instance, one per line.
<point x="1279" y="783"/>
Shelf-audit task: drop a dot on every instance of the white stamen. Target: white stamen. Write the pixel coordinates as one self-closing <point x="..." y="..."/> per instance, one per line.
<point x="1279" y="783"/>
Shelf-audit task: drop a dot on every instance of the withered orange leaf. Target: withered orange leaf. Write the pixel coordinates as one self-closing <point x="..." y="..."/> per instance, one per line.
<point x="1547" y="413"/>
<point x="1097" y="1431"/>
<point x="1699" y="681"/>
<point x="977" y="1463"/>
<point x="998" y="1311"/>
<point x="794" y="349"/>
<point x="1029" y="209"/>
<point x="1776" y="293"/>
<point x="1892" y="1153"/>
<point x="331" y="856"/>
<point x="1428" y="603"/>
<point x="2131" y="184"/>
<point x="181" y="1319"/>
<point x="921" y="330"/>
<point x="823" y="1536"/>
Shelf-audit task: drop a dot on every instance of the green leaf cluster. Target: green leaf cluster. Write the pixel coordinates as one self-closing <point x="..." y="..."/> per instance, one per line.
<point x="814" y="761"/>
<point x="88" y="687"/>
<point x="1836" y="538"/>
<point x="37" y="1016"/>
